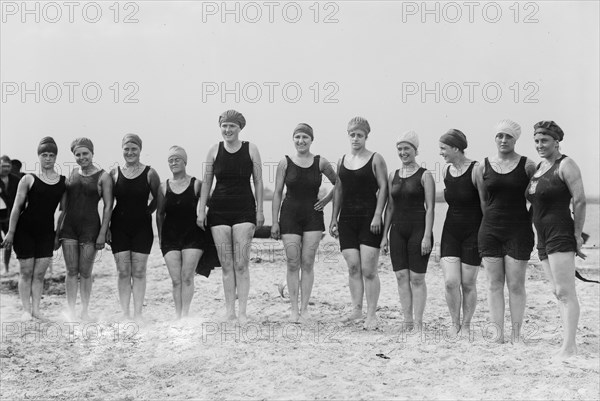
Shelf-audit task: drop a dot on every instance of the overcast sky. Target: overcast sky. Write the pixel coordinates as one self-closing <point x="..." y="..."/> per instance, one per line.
<point x="166" y="70"/>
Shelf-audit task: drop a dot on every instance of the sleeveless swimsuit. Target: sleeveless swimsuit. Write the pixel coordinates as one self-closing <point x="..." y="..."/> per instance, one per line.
<point x="179" y="229"/>
<point x="461" y="227"/>
<point x="408" y="223"/>
<point x="550" y="200"/>
<point x="131" y="224"/>
<point x="82" y="222"/>
<point x="506" y="225"/>
<point x="298" y="212"/>
<point x="232" y="201"/>
<point x="358" y="206"/>
<point x="34" y="235"/>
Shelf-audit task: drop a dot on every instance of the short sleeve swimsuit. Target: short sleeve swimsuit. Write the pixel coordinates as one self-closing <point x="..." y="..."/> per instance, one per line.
<point x="298" y="212"/>
<point x="506" y="225"/>
<point x="179" y="229"/>
<point x="131" y="224"/>
<point x="408" y="223"/>
<point x="359" y="202"/>
<point x="232" y="201"/>
<point x="461" y="227"/>
<point x="82" y="222"/>
<point x="550" y="201"/>
<point x="34" y="235"/>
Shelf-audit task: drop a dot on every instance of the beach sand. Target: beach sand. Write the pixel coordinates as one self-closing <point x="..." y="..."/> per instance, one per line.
<point x="202" y="358"/>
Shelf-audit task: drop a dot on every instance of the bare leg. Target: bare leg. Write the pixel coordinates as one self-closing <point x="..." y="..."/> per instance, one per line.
<point x="419" y="297"/>
<point x="406" y="298"/>
<point x="242" y="240"/>
<point x="369" y="257"/>
<point x="355" y="282"/>
<point x="469" y="289"/>
<point x="37" y="286"/>
<point x="292" y="243"/>
<point x="25" y="281"/>
<point x="494" y="268"/>
<point x="139" y="262"/>
<point x="517" y="297"/>
<point x="451" y="267"/>
<point x="123" y="262"/>
<point x="224" y="244"/>
<point x="310" y="245"/>
<point x="86" y="265"/>
<point x="173" y="261"/>
<point x="188" y="270"/>
<point x="71" y="254"/>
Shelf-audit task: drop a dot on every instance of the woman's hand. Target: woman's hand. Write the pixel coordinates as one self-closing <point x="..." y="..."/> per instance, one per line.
<point x="201" y="220"/>
<point x="8" y="240"/>
<point x="384" y="245"/>
<point x="579" y="241"/>
<point x="321" y="203"/>
<point x="333" y="228"/>
<point x="376" y="224"/>
<point x="260" y="219"/>
<point x="426" y="245"/>
<point x="275" y="234"/>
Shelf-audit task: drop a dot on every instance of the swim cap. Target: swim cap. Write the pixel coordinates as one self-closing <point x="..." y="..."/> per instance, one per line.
<point x="549" y="128"/>
<point x="305" y="128"/>
<point x="177" y="151"/>
<point x="232" y="116"/>
<point x="47" y="144"/>
<point x="359" y="123"/>
<point x="454" y="138"/>
<point x="409" y="137"/>
<point x="508" y="127"/>
<point x="82" y="142"/>
<point x="133" y="138"/>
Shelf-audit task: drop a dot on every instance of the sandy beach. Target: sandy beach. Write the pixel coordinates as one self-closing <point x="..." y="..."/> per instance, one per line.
<point x="202" y="358"/>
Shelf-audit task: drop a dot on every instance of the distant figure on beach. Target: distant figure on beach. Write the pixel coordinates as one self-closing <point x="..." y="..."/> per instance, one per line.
<point x="459" y="251"/>
<point x="556" y="182"/>
<point x="82" y="232"/>
<point x="505" y="236"/>
<point x="234" y="211"/>
<point x="182" y="242"/>
<point x="359" y="197"/>
<point x="31" y="226"/>
<point x="130" y="232"/>
<point x="15" y="168"/>
<point x="409" y="220"/>
<point x="8" y="192"/>
<point x="301" y="223"/>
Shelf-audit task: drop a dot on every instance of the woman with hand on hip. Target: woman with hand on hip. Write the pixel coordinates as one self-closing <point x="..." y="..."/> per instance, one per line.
<point x="182" y="242"/>
<point x="300" y="224"/>
<point x="359" y="197"/>
<point x="131" y="224"/>
<point x="459" y="252"/>
<point x="556" y="182"/>
<point x="233" y="211"/>
<point x="31" y="226"/>
<point x="409" y="219"/>
<point x="82" y="233"/>
<point x="505" y="236"/>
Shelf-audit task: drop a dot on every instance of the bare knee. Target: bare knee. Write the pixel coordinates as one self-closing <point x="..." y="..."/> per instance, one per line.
<point x="402" y="276"/>
<point x="176" y="282"/>
<point x="369" y="274"/>
<point x="307" y="267"/>
<point x="85" y="274"/>
<point x="293" y="266"/>
<point x="139" y="273"/>
<point x="516" y="288"/>
<point x="563" y="294"/>
<point x="354" y="269"/>
<point x="240" y="266"/>
<point x="452" y="285"/>
<point x="188" y="278"/>
<point x="469" y="288"/>
<point x="417" y="281"/>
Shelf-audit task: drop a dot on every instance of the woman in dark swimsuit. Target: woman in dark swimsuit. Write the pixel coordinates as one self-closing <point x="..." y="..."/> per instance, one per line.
<point x="409" y="218"/>
<point x="300" y="224"/>
<point x="505" y="236"/>
<point x="82" y="232"/>
<point x="181" y="240"/>
<point x="131" y="233"/>
<point x="359" y="198"/>
<point x="233" y="211"/>
<point x="554" y="185"/>
<point x="32" y="229"/>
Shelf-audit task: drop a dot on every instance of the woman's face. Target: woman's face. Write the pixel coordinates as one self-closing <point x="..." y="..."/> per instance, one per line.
<point x="302" y="142"/>
<point x="47" y="160"/>
<point x="131" y="152"/>
<point x="505" y="142"/>
<point x="449" y="153"/>
<point x="176" y="164"/>
<point x="358" y="138"/>
<point x="83" y="156"/>
<point x="545" y="145"/>
<point x="406" y="152"/>
<point x="230" y="131"/>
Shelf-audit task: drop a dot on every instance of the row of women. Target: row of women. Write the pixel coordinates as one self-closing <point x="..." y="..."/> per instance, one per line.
<point x="487" y="219"/>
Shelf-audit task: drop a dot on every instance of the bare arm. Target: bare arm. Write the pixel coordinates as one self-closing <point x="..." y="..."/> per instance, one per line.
<point x="277" y="195"/>
<point x="160" y="209"/>
<point x="258" y="185"/>
<point x="429" y="186"/>
<point x="61" y="219"/>
<point x="154" y="181"/>
<point x="478" y="172"/>
<point x="206" y="186"/>
<point x="106" y="188"/>
<point x="326" y="168"/>
<point x="571" y="175"/>
<point x="338" y="195"/>
<point x="381" y="174"/>
<point x="389" y="212"/>
<point x="22" y="190"/>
